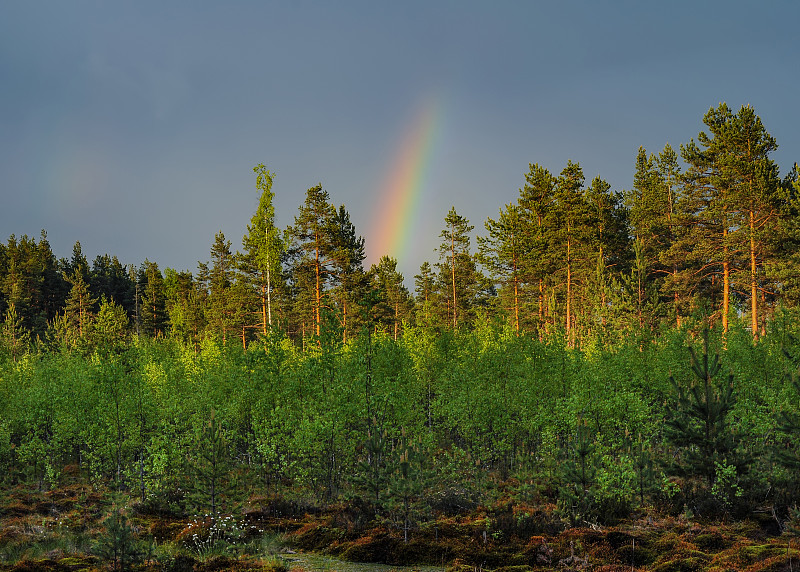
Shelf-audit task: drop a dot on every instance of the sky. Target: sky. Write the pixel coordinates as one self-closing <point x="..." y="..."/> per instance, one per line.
<point x="134" y="127"/>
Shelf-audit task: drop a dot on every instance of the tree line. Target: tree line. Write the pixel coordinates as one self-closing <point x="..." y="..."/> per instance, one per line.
<point x="715" y="234"/>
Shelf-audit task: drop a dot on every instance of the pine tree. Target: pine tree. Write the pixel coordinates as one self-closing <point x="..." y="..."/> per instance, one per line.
<point x="732" y="187"/>
<point x="312" y="252"/>
<point x="609" y="243"/>
<point x="579" y="474"/>
<point x="459" y="281"/>
<point x="408" y="481"/>
<point x="785" y="243"/>
<point x="699" y="424"/>
<point x="210" y="465"/>
<point x="394" y="301"/>
<point x="785" y="448"/>
<point x="756" y="199"/>
<point x="424" y="287"/>
<point x="373" y="470"/>
<point x="571" y="239"/>
<point x="537" y="209"/>
<point x="502" y="253"/>
<point x="117" y="543"/>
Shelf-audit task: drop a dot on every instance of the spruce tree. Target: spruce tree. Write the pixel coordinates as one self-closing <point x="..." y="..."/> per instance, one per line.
<point x="348" y="279"/>
<point x="222" y="311"/>
<point x="79" y="310"/>
<point x="152" y="311"/>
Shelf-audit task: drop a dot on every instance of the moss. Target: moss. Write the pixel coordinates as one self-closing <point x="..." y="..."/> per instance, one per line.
<point x="274" y="564"/>
<point x="379" y="548"/>
<point x="636" y="555"/>
<point x="753" y="554"/>
<point x="682" y="564"/>
<point x="72" y="561"/>
<point x="712" y="541"/>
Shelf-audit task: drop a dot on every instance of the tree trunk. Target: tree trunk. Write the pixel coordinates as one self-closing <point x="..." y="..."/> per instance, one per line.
<point x="317" y="292"/>
<point x="569" y="290"/>
<point x="516" y="300"/>
<point x="726" y="284"/>
<point x="753" y="282"/>
<point x="453" y="253"/>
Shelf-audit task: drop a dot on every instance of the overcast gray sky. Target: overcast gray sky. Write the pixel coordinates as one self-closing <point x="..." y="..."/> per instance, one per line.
<point x="133" y="127"/>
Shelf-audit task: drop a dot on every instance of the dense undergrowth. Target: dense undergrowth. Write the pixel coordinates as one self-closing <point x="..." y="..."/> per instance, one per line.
<point x="481" y="448"/>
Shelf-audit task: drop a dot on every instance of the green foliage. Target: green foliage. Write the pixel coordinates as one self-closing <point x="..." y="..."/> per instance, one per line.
<point x="373" y="470"/>
<point x="579" y="475"/>
<point x="407" y="483"/>
<point x="210" y="486"/>
<point x="117" y="544"/>
<point x="699" y="423"/>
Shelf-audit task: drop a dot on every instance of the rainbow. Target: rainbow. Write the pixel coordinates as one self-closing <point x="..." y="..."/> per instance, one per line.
<point x="396" y="216"/>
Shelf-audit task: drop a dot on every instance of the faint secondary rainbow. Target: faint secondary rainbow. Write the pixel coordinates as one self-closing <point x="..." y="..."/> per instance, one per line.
<point x="398" y="209"/>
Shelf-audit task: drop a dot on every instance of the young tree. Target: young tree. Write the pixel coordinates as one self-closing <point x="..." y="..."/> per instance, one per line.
<point x="13" y="335"/>
<point x="408" y="481"/>
<point x="184" y="302"/>
<point x="210" y="467"/>
<point x="699" y="425"/>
